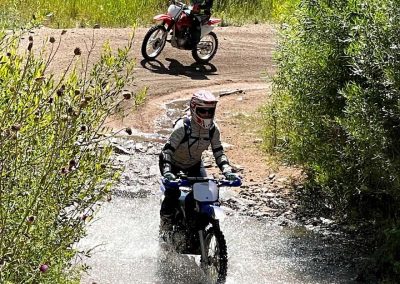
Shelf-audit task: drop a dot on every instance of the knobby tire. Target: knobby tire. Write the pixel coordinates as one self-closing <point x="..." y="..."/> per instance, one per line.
<point x="146" y="39"/>
<point x="195" y="51"/>
<point x="222" y="254"/>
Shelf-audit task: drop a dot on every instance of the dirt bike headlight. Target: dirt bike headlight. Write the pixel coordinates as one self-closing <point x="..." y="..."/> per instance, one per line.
<point x="173" y="10"/>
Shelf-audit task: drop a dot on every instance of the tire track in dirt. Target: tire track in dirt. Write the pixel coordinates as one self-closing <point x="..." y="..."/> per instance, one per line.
<point x="243" y="57"/>
<point x="243" y="54"/>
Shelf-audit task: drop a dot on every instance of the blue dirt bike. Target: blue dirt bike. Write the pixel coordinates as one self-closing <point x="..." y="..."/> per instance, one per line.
<point x="196" y="227"/>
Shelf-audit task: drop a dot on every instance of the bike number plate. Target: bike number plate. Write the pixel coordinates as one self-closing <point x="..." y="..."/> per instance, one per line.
<point x="205" y="191"/>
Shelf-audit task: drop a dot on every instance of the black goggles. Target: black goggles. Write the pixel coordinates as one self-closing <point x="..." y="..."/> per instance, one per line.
<point x="202" y="110"/>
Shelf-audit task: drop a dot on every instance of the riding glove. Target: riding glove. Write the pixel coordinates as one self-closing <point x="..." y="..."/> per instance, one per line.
<point x="169" y="176"/>
<point x="230" y="176"/>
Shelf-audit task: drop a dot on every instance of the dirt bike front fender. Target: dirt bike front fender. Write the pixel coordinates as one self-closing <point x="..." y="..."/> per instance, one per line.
<point x="163" y="18"/>
<point x="205" y="30"/>
<point x="212" y="211"/>
<point x="209" y="26"/>
<point x="213" y="21"/>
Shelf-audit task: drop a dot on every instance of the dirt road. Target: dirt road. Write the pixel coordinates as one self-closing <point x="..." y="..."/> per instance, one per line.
<point x="243" y="54"/>
<point x="242" y="62"/>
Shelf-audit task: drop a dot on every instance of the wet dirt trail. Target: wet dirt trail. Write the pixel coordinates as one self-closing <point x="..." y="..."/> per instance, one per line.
<point x="261" y="247"/>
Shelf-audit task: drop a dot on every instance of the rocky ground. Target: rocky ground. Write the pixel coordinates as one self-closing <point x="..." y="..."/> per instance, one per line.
<point x="272" y="200"/>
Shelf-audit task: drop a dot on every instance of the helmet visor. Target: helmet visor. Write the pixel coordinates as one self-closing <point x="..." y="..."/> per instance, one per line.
<point x="205" y="112"/>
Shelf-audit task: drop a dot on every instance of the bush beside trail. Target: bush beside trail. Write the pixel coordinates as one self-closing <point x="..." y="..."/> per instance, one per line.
<point x="54" y="166"/>
<point x="335" y="110"/>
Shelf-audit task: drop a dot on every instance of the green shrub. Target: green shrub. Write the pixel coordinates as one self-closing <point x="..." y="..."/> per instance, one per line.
<point x="54" y="167"/>
<point x="282" y="9"/>
<point x="388" y="256"/>
<point x="335" y="108"/>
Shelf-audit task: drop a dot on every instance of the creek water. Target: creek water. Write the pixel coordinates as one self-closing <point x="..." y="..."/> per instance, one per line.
<point x="124" y="235"/>
<point x="125" y="232"/>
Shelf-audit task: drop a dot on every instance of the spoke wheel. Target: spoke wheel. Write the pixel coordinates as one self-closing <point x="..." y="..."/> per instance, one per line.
<point x="154" y="42"/>
<point x="206" y="48"/>
<point x="216" y="264"/>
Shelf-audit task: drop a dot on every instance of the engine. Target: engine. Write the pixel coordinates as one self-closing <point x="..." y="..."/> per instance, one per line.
<point x="182" y="32"/>
<point x="184" y="39"/>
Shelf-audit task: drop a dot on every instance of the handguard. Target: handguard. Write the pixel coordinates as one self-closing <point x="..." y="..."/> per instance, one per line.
<point x="192" y="180"/>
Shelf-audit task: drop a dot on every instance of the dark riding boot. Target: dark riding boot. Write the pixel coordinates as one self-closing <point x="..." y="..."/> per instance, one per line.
<point x="195" y="32"/>
<point x="165" y="232"/>
<point x="167" y="212"/>
<point x="166" y="223"/>
<point x="196" y="36"/>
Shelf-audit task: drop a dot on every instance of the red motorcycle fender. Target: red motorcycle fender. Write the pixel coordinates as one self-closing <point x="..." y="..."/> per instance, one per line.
<point x="213" y="21"/>
<point x="163" y="18"/>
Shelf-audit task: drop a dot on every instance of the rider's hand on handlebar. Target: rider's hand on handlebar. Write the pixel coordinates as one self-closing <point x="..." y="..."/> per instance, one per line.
<point x="196" y="8"/>
<point x="231" y="176"/>
<point x="169" y="176"/>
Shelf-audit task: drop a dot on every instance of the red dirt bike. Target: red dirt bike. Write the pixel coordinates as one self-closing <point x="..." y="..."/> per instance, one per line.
<point x="175" y="27"/>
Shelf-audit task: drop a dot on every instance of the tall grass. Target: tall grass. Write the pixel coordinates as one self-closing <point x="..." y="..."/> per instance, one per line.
<point x="240" y="12"/>
<point x="80" y="13"/>
<point x="124" y="13"/>
<point x="281" y="9"/>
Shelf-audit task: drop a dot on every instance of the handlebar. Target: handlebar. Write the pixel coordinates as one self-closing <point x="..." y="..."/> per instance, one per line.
<point x="179" y="3"/>
<point x="188" y="181"/>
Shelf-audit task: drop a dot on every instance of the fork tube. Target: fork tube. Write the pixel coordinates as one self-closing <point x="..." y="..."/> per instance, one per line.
<point x="202" y="246"/>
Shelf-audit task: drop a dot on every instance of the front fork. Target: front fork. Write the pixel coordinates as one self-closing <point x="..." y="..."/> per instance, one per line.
<point x="203" y="247"/>
<point x="204" y="253"/>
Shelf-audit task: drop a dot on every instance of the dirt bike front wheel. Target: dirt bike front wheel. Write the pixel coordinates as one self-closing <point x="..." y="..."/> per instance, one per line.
<point x="154" y="42"/>
<point x="206" y="48"/>
<point x="216" y="264"/>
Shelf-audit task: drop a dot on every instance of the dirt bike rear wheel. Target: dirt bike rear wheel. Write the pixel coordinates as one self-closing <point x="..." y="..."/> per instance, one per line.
<point x="154" y="42"/>
<point x="206" y="48"/>
<point x="216" y="264"/>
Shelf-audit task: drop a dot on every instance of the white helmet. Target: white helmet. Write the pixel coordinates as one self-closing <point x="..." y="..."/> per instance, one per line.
<point x="202" y="108"/>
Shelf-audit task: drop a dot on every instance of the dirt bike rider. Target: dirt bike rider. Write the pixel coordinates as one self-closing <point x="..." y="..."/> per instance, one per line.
<point x="180" y="155"/>
<point x="201" y="13"/>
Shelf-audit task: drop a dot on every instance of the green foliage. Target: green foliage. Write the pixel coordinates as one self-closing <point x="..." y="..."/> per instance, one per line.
<point x="140" y="98"/>
<point x="282" y="9"/>
<point x="121" y="13"/>
<point x="336" y="103"/>
<point x="241" y="12"/>
<point x="81" y="13"/>
<point x="388" y="256"/>
<point x="54" y="166"/>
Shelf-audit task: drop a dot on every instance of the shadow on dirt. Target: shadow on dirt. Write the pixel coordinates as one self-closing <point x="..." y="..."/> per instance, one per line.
<point x="194" y="71"/>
